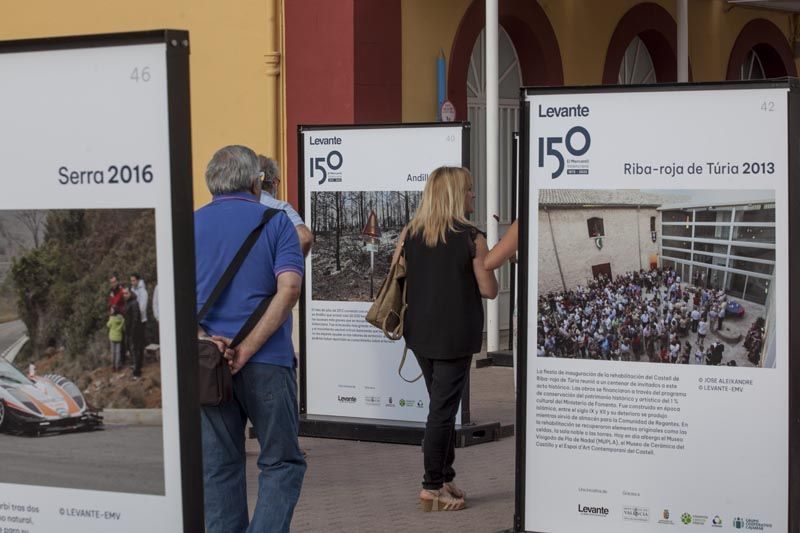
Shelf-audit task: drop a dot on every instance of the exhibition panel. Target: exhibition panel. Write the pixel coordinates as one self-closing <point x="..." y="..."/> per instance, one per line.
<point x="97" y="187"/>
<point x="656" y="300"/>
<point x="360" y="186"/>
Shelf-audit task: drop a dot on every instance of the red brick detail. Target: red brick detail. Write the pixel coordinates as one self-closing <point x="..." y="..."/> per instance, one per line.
<point x="534" y="39"/>
<point x="657" y="29"/>
<point x="771" y="46"/>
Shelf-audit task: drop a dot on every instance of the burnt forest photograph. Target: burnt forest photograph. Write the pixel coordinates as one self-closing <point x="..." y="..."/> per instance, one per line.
<point x="355" y="235"/>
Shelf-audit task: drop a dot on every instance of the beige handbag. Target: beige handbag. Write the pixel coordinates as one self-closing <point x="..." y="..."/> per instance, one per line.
<point x="389" y="306"/>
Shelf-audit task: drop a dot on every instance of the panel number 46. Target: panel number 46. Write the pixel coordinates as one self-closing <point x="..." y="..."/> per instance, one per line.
<point x="140" y="74"/>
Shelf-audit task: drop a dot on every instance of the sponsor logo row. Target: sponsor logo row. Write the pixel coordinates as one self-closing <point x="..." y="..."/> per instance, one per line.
<point x="377" y="401"/>
<point x="642" y="514"/>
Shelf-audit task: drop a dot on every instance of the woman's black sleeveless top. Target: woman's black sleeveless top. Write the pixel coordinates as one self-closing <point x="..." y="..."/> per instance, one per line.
<point x="444" y="317"/>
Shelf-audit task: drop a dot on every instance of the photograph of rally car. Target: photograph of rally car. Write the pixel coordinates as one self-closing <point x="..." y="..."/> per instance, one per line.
<point x="34" y="405"/>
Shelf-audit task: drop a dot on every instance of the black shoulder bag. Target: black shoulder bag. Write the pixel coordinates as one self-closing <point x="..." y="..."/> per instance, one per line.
<point x="215" y="383"/>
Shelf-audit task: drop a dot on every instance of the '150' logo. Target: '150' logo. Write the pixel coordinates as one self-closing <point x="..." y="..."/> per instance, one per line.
<point x="332" y="162"/>
<point x="553" y="150"/>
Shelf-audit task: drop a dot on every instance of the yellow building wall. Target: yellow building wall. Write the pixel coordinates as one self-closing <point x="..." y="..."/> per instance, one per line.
<point x="428" y="26"/>
<point x="583" y="29"/>
<point x="234" y="81"/>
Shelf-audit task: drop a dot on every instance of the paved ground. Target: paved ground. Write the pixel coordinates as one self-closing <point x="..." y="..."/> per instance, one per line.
<point x="10" y="332"/>
<point x="373" y="487"/>
<point x="118" y="459"/>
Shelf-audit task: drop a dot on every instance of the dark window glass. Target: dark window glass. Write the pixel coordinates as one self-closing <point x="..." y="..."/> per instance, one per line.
<point x="712" y="215"/>
<point x="675" y="216"/>
<point x="712" y="232"/>
<point x="686" y="245"/>
<point x="754" y="234"/>
<point x="756" y="290"/>
<point x="652" y="223"/>
<point x="595" y="225"/>
<point x="713" y="248"/>
<point x="759" y="213"/>
<point x="756" y="253"/>
<point x="736" y="284"/>
<point x="752" y="267"/>
<point x="676" y="231"/>
<point x="715" y="278"/>
<point x="676" y="255"/>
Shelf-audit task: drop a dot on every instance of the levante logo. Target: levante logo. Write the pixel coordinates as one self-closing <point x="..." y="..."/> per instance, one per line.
<point x="576" y="142"/>
<point x="327" y="167"/>
<point x="593" y="511"/>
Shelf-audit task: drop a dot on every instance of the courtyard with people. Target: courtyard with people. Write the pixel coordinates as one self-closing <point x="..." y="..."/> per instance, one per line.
<point x="650" y="316"/>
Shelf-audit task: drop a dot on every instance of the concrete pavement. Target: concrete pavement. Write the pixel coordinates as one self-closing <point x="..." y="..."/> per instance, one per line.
<point x="373" y="487"/>
<point x="10" y="334"/>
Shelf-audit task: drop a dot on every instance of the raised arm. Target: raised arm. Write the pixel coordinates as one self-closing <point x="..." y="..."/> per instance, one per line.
<point x="306" y="238"/>
<point x="504" y="249"/>
<point x="487" y="283"/>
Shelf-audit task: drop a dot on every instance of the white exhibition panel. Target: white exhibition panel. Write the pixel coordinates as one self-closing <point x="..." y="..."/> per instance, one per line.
<point x="79" y="110"/>
<point x="352" y="371"/>
<point x="733" y="468"/>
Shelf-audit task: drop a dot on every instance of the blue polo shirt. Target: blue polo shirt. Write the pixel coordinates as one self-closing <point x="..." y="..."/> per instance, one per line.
<point x="220" y="228"/>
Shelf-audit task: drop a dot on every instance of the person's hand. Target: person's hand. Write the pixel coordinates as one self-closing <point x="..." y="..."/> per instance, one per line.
<point x="223" y="343"/>
<point x="241" y="355"/>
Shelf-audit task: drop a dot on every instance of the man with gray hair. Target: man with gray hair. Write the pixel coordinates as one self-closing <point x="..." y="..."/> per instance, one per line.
<point x="263" y="365"/>
<point x="270" y="179"/>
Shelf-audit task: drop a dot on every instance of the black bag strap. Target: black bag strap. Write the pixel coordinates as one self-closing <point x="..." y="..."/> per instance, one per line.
<point x="233" y="268"/>
<point x="251" y="322"/>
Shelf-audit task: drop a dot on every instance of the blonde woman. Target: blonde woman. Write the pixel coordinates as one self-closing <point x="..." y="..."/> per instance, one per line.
<point x="444" y="255"/>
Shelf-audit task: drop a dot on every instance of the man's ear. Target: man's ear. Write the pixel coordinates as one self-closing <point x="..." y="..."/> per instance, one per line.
<point x="256" y="189"/>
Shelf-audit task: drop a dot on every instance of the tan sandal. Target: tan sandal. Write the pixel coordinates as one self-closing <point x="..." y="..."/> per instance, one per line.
<point x="439" y="500"/>
<point x="456" y="492"/>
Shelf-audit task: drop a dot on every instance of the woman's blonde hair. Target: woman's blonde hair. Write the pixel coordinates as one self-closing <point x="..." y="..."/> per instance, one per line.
<point x="442" y="205"/>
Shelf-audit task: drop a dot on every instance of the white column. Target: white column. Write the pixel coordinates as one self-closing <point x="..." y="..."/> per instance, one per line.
<point x="492" y="167"/>
<point x="683" y="41"/>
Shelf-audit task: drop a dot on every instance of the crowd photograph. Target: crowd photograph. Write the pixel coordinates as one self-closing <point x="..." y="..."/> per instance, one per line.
<point x="643" y="316"/>
<point x="668" y="276"/>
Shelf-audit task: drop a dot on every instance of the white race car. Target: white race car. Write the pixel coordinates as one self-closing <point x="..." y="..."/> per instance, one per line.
<point x="35" y="405"/>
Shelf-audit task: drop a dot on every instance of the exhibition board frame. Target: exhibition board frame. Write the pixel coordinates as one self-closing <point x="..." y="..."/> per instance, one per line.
<point x="377" y="430"/>
<point x="505" y="357"/>
<point x="793" y="257"/>
<point x="182" y="229"/>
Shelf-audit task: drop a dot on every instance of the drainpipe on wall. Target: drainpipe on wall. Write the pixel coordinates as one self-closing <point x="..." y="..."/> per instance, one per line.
<point x="492" y="159"/>
<point x="441" y="84"/>
<point x="683" y="41"/>
<point x="275" y="88"/>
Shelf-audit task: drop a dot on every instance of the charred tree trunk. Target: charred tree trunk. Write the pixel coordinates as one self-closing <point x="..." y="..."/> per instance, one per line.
<point x="338" y="207"/>
<point x="314" y="213"/>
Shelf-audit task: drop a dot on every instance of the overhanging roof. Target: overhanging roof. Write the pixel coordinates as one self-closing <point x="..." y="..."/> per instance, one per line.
<point x="598" y="198"/>
<point x="792" y="6"/>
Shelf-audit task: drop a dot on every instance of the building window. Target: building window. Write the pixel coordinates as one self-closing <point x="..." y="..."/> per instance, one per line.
<point x="652" y="223"/>
<point x="637" y="65"/>
<point x="752" y="68"/>
<point x="595" y="225"/>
